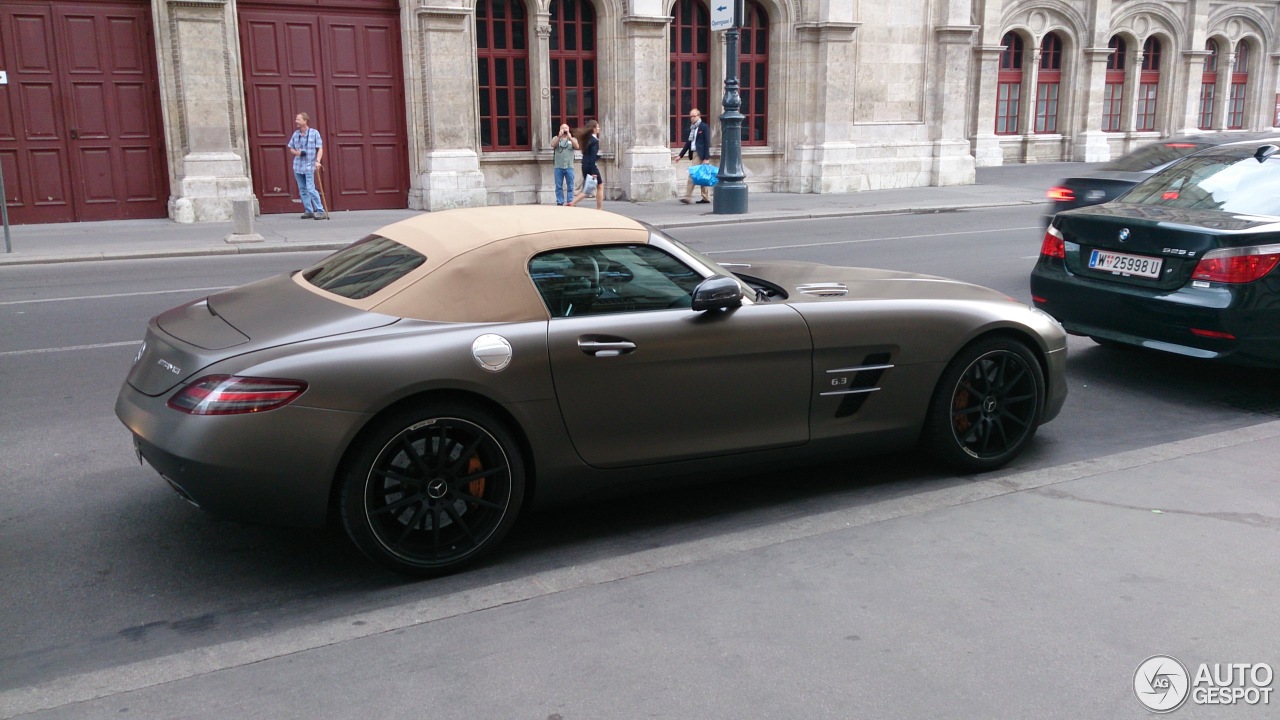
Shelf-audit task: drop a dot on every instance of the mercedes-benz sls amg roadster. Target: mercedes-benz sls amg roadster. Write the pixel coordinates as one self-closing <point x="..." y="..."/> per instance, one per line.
<point x="426" y="384"/>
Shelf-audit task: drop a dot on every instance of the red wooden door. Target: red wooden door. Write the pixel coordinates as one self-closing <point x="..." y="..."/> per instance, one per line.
<point x="343" y="68"/>
<point x="80" y="130"/>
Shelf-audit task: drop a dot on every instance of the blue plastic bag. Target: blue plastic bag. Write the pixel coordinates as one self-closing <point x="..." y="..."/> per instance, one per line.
<point x="704" y="174"/>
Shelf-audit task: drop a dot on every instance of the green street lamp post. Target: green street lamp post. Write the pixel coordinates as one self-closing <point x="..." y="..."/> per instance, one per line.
<point x="731" y="191"/>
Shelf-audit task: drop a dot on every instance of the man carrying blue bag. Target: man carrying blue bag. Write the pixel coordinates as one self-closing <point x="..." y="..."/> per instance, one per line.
<point x="698" y="147"/>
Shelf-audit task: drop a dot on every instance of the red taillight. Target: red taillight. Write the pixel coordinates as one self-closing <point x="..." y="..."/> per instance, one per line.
<point x="1237" y="265"/>
<point x="1169" y="195"/>
<point x="1061" y="194"/>
<point x="232" y="395"/>
<point x="1180" y="145"/>
<point x="1216" y="334"/>
<point x="1053" y="246"/>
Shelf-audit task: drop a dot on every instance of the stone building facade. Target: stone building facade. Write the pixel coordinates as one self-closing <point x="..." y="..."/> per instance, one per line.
<point x="434" y="104"/>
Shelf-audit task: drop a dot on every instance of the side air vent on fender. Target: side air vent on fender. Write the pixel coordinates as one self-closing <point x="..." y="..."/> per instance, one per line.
<point x="863" y="380"/>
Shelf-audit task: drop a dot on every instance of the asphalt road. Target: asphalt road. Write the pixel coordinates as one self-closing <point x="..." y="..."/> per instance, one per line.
<point x="879" y="587"/>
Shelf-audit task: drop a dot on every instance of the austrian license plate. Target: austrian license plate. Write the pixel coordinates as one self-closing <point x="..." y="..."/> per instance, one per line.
<point x="1125" y="264"/>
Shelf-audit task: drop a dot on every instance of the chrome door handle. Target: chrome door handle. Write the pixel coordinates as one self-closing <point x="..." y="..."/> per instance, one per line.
<point x="602" y="348"/>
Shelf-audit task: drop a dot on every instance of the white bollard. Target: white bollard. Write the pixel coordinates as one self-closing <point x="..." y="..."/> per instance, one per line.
<point x="242" y="223"/>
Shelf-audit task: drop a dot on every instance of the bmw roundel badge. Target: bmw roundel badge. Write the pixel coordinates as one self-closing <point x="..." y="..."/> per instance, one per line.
<point x="1124" y="234"/>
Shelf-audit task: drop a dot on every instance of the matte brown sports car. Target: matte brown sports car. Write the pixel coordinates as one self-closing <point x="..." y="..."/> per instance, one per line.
<point x="430" y="381"/>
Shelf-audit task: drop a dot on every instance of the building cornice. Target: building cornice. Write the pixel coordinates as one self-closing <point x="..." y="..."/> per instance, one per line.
<point x="829" y="31"/>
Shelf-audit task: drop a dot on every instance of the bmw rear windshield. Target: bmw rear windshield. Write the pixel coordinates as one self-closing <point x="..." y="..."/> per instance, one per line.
<point x="364" y="267"/>
<point x="1231" y="180"/>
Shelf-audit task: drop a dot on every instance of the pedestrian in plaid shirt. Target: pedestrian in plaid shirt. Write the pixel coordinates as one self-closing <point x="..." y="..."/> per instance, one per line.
<point x="307" y="149"/>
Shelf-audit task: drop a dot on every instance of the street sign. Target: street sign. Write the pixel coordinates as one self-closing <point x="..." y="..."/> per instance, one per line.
<point x="722" y="14"/>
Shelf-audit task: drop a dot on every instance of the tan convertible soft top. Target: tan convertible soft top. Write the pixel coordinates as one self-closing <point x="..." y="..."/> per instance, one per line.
<point x="477" y="267"/>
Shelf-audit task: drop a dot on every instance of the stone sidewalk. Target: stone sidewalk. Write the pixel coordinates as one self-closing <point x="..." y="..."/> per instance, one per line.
<point x="133" y="239"/>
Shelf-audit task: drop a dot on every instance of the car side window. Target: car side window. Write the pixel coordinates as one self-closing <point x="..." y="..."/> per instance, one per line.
<point x="611" y="279"/>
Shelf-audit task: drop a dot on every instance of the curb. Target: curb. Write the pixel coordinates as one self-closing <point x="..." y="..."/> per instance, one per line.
<point x="702" y="221"/>
<point x="160" y="254"/>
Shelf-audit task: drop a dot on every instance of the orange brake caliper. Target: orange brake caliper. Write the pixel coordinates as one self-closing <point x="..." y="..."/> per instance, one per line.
<point x="961" y="422"/>
<point x="475" y="487"/>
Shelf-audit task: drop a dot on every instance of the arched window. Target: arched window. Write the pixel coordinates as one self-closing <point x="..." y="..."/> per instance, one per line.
<point x="690" y="64"/>
<point x="753" y="75"/>
<point x="1208" y="85"/>
<point x="1113" y="92"/>
<point x="1009" y="85"/>
<point x="1047" y="88"/>
<point x="1149" y="85"/>
<point x="502" y="66"/>
<point x="573" y="63"/>
<point x="1239" y="83"/>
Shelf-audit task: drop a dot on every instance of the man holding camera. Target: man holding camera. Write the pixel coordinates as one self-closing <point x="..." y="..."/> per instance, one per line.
<point x="307" y="149"/>
<point x="563" y="146"/>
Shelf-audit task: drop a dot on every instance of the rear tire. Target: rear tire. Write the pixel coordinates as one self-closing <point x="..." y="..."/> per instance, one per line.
<point x="986" y="407"/>
<point x="430" y="490"/>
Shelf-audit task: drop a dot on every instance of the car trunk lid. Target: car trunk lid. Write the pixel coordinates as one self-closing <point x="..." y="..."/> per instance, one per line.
<point x="183" y="341"/>
<point x="1149" y="246"/>
<point x="1104" y="186"/>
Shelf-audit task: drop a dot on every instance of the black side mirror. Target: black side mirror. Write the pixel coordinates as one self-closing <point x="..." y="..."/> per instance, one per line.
<point x="717" y="293"/>
<point x="1265" y="152"/>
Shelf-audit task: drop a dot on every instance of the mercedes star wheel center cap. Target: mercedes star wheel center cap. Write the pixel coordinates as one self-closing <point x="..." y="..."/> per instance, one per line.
<point x="437" y="488"/>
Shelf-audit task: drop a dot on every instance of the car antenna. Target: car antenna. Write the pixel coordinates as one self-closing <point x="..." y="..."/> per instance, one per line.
<point x="1264" y="152"/>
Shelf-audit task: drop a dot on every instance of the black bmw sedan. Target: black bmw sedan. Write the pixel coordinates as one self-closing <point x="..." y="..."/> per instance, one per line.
<point x="1183" y="263"/>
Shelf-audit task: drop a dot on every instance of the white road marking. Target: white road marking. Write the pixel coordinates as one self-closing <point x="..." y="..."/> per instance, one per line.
<point x="268" y="646"/>
<point x="192" y="291"/>
<point x="865" y="240"/>
<point x="39" y="351"/>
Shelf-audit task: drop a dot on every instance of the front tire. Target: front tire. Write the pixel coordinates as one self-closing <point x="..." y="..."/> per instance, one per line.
<point x="986" y="407"/>
<point x="430" y="490"/>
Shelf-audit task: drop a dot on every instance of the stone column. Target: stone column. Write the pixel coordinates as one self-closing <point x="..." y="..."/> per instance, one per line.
<point x="1091" y="142"/>
<point x="540" y="106"/>
<point x="1222" y="92"/>
<point x="443" y="120"/>
<point x="1193" y="69"/>
<point x="202" y="102"/>
<point x="986" y="144"/>
<point x="644" y="166"/>
<point x="1132" y="84"/>
<point x="1027" y="112"/>
<point x="1275" y="93"/>
<point x="953" y="163"/>
<point x="826" y="153"/>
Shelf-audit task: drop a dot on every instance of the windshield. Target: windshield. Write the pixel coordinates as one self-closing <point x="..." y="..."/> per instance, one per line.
<point x="709" y="267"/>
<point x="1233" y="182"/>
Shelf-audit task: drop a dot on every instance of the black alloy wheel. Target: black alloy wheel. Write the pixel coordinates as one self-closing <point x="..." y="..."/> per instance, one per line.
<point x="986" y="407"/>
<point x="430" y="491"/>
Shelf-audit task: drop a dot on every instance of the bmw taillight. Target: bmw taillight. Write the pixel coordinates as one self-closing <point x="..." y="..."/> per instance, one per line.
<point x="1237" y="265"/>
<point x="1053" y="246"/>
<point x="233" y="395"/>
<point x="1061" y="194"/>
